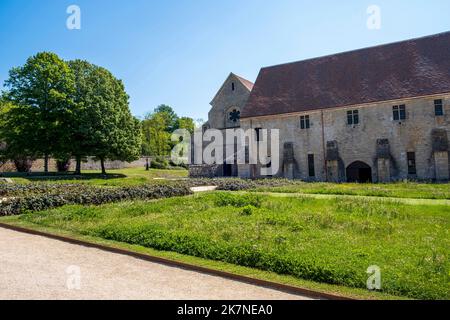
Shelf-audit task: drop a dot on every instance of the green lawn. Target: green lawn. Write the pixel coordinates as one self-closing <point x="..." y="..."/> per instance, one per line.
<point x="119" y="177"/>
<point x="330" y="241"/>
<point x="395" y="190"/>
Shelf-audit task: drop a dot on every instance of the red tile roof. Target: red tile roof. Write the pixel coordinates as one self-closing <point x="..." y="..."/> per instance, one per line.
<point x="412" y="68"/>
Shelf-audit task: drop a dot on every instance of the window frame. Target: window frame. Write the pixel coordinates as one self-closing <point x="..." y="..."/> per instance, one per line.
<point x="305" y="122"/>
<point x="438" y="105"/>
<point x="399" y="112"/>
<point x="353" y="117"/>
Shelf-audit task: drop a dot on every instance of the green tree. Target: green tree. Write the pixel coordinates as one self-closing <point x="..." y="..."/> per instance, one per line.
<point x="156" y="141"/>
<point x="171" y="118"/>
<point x="40" y="92"/>
<point x="102" y="125"/>
<point x="186" y="123"/>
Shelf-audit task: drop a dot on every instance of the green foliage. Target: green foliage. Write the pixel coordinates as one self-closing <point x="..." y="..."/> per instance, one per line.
<point x="158" y="127"/>
<point x="156" y="141"/>
<point x="169" y="116"/>
<point x="248" y="210"/>
<point x="55" y="108"/>
<point x="186" y="123"/>
<point x="60" y="195"/>
<point x="395" y="190"/>
<point x="35" y="122"/>
<point x="159" y="163"/>
<point x="320" y="240"/>
<point x="238" y="200"/>
<point x="103" y="125"/>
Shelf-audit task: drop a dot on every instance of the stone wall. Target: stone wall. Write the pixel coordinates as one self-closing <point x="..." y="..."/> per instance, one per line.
<point x="89" y="164"/>
<point x="205" y="171"/>
<point x="361" y="142"/>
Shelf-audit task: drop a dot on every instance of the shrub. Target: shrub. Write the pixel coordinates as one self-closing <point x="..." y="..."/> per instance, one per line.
<point x="248" y="210"/>
<point x="159" y="163"/>
<point x="238" y="200"/>
<point x="88" y="196"/>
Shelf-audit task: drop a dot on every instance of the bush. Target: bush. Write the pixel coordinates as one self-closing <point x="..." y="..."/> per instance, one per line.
<point x="159" y="163"/>
<point x="237" y="200"/>
<point x="23" y="165"/>
<point x="87" y="195"/>
<point x="248" y="210"/>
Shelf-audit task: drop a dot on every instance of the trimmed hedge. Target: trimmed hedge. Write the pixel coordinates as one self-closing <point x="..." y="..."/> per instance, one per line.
<point x="87" y="196"/>
<point x="236" y="184"/>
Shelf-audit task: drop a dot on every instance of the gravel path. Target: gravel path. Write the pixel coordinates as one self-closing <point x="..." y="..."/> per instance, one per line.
<point x="34" y="267"/>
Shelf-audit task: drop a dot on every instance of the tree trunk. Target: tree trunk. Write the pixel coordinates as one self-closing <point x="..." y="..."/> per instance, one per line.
<point x="78" y="166"/>
<point x="46" y="164"/>
<point x="102" y="161"/>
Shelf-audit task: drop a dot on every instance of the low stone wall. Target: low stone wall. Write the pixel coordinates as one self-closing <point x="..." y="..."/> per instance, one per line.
<point x="88" y="164"/>
<point x="203" y="171"/>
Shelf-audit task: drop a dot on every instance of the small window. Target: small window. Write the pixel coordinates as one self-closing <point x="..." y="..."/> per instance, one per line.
<point x="258" y="134"/>
<point x="304" y="122"/>
<point x="399" y="112"/>
<point x="352" y="117"/>
<point x="412" y="163"/>
<point x="232" y="86"/>
<point x="311" y="169"/>
<point x="438" y="108"/>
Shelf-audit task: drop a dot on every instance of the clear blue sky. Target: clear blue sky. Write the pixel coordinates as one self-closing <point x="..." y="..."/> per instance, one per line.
<point x="180" y="52"/>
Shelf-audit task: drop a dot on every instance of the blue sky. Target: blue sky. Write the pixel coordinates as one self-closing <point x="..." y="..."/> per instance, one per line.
<point x="180" y="52"/>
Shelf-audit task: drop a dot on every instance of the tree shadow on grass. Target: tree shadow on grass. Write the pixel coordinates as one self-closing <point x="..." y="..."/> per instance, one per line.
<point x="55" y="176"/>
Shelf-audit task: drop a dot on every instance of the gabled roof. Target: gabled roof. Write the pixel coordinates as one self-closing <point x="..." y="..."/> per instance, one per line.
<point x="246" y="83"/>
<point x="412" y="68"/>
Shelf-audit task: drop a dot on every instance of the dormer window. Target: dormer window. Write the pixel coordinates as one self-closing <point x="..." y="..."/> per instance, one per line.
<point x="232" y="86"/>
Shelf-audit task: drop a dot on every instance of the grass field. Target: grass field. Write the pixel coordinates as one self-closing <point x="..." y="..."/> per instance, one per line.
<point x="119" y="177"/>
<point x="330" y="241"/>
<point x="394" y="190"/>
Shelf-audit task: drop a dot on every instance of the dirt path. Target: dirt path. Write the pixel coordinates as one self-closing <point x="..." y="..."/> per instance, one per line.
<point x="34" y="267"/>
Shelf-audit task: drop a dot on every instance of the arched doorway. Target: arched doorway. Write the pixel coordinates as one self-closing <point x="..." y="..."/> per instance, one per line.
<point x="359" y="171"/>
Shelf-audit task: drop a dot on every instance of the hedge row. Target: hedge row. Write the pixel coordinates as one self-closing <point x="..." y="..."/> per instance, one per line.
<point x="18" y="190"/>
<point x="89" y="196"/>
<point x="236" y="184"/>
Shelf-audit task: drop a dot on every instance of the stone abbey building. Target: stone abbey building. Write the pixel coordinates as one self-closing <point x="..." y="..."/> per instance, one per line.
<point x="378" y="114"/>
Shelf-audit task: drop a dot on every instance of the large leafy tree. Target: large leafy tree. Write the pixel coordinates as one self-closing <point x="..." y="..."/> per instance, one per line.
<point x="102" y="124"/>
<point x="40" y="96"/>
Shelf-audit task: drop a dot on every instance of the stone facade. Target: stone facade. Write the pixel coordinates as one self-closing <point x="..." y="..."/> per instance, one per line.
<point x="377" y="140"/>
<point x="225" y="114"/>
<point x="377" y="114"/>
